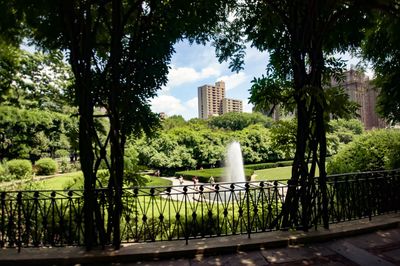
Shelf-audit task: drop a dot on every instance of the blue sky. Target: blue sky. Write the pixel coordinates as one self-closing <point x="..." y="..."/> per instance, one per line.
<point x="195" y="65"/>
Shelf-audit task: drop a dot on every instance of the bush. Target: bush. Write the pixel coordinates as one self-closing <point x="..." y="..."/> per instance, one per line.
<point x="260" y="166"/>
<point x="20" y="168"/>
<point x="2" y="170"/>
<point x="374" y="150"/>
<point x="61" y="153"/>
<point x="46" y="166"/>
<point x="4" y="175"/>
<point x="65" y="166"/>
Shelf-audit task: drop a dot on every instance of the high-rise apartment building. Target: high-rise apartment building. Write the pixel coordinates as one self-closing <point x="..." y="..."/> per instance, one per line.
<point x="212" y="101"/>
<point x="360" y="90"/>
<point x="232" y="105"/>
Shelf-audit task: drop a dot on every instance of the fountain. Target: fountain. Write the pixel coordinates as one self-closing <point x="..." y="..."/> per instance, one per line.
<point x="234" y="170"/>
<point x="234" y="173"/>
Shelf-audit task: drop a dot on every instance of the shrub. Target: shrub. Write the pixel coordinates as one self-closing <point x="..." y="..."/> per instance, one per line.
<point x="374" y="150"/>
<point x="65" y="166"/>
<point x="4" y="175"/>
<point x="46" y="166"/>
<point x="260" y="166"/>
<point x="2" y="170"/>
<point x="19" y="168"/>
<point x="61" y="153"/>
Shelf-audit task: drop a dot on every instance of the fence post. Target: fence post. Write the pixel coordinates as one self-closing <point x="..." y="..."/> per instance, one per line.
<point x="3" y="216"/>
<point x="276" y="203"/>
<point x="248" y="208"/>
<point x="185" y="189"/>
<point x="19" y="204"/>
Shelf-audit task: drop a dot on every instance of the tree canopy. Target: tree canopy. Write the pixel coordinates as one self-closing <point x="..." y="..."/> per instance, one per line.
<point x="239" y="121"/>
<point x="301" y="38"/>
<point x="35" y="80"/>
<point x="381" y="47"/>
<point x="119" y="52"/>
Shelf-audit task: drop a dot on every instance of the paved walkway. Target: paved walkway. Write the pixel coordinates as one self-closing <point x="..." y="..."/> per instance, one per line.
<point x="360" y="242"/>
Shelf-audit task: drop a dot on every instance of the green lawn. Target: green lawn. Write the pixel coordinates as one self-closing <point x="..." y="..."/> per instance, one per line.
<point x="279" y="173"/>
<point x="75" y="181"/>
<point x="157" y="181"/>
<point x="65" y="181"/>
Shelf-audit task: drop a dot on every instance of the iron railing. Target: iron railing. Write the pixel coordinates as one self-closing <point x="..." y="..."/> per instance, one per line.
<point x="55" y="218"/>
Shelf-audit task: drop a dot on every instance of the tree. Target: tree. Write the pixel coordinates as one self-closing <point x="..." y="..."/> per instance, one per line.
<point x="119" y="53"/>
<point x="238" y="121"/>
<point x="381" y="47"/>
<point x="34" y="80"/>
<point x="283" y="137"/>
<point x="173" y="121"/>
<point x="31" y="133"/>
<point x="256" y="144"/>
<point x="346" y="130"/>
<point x="373" y="150"/>
<point x="301" y="37"/>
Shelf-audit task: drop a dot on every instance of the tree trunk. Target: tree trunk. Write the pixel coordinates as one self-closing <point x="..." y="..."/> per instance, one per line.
<point x="116" y="137"/>
<point x="78" y="29"/>
<point x="317" y="63"/>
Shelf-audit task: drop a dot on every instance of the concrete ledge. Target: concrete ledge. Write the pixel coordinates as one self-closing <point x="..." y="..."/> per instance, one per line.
<point x="208" y="246"/>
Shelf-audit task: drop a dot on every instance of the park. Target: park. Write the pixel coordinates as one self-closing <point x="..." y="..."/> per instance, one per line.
<point x="86" y="162"/>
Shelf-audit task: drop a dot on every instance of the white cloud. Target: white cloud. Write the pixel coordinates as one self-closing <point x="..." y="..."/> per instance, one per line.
<point x="173" y="106"/>
<point x="193" y="103"/>
<point x="167" y="104"/>
<point x="234" y="80"/>
<point x="180" y="75"/>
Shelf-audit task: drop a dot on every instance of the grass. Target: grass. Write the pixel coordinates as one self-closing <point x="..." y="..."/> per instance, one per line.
<point x="157" y="181"/>
<point x="279" y="173"/>
<point x="60" y="182"/>
<point x="75" y="181"/>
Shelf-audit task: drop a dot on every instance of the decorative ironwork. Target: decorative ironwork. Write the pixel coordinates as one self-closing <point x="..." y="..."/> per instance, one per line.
<point x="55" y="218"/>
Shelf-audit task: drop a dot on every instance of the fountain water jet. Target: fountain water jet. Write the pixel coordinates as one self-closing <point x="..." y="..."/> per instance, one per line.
<point x="234" y="173"/>
<point x="234" y="170"/>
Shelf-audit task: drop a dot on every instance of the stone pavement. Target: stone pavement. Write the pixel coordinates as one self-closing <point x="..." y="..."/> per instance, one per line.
<point x="378" y="248"/>
<point x="360" y="242"/>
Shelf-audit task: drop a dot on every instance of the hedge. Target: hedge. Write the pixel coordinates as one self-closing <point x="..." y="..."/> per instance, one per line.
<point x="260" y="166"/>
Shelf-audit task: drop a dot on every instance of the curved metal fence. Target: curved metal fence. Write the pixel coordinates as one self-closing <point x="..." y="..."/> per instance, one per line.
<point x="55" y="218"/>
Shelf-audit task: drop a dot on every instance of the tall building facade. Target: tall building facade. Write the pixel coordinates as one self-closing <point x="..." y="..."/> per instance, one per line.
<point x="360" y="90"/>
<point x="231" y="105"/>
<point x="212" y="101"/>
